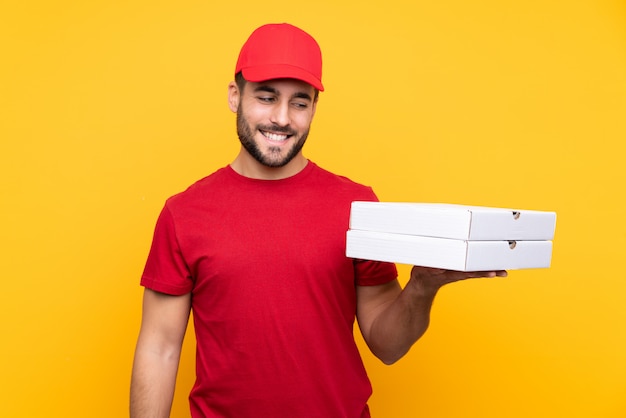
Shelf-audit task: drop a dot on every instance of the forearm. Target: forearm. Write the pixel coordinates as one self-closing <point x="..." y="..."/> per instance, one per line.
<point x="157" y="354"/>
<point x="402" y="323"/>
<point x="153" y="382"/>
<point x="392" y="326"/>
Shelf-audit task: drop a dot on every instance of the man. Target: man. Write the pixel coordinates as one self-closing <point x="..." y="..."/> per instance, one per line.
<point x="257" y="251"/>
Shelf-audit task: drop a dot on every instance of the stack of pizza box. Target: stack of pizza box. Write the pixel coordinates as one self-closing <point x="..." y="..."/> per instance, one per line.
<point x="450" y="236"/>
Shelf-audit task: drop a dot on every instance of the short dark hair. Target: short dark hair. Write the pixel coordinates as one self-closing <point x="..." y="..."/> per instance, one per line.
<point x="241" y="83"/>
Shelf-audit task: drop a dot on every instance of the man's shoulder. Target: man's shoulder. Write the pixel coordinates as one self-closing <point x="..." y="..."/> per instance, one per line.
<point x="341" y="181"/>
<point x="201" y="188"/>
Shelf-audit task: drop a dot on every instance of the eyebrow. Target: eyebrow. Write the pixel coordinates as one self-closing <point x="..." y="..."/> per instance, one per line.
<point x="272" y="90"/>
<point x="301" y="95"/>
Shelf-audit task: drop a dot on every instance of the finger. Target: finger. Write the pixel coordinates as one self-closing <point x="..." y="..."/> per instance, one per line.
<point x="496" y="273"/>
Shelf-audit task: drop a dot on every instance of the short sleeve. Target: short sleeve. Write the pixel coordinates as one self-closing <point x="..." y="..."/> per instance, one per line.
<point x="372" y="273"/>
<point x="166" y="270"/>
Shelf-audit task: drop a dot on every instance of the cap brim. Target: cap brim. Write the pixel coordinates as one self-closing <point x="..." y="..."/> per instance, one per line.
<point x="270" y="72"/>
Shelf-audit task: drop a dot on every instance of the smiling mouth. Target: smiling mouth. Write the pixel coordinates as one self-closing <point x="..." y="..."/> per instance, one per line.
<point x="275" y="137"/>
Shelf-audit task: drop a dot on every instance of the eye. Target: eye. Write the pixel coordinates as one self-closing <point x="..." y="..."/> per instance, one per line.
<point x="300" y="105"/>
<point x="266" y="99"/>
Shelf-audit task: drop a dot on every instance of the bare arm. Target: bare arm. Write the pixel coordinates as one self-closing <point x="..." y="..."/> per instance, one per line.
<point x="392" y="319"/>
<point x="157" y="355"/>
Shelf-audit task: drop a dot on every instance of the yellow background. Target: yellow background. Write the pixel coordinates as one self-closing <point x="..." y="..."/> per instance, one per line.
<point x="109" y="107"/>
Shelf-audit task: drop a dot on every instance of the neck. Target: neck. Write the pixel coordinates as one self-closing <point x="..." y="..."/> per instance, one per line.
<point x="245" y="165"/>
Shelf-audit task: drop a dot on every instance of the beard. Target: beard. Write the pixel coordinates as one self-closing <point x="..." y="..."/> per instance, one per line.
<point x="273" y="157"/>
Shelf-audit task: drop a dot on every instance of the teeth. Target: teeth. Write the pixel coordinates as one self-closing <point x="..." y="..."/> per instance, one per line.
<point x="275" y="137"/>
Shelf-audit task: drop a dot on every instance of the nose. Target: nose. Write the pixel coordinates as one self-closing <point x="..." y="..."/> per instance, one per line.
<point x="280" y="114"/>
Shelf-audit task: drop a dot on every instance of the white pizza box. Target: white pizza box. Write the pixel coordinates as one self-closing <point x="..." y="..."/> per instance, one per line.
<point x="453" y="221"/>
<point x="450" y="254"/>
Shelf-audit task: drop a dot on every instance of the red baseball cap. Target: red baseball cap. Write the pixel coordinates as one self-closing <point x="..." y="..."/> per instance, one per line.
<point x="281" y="51"/>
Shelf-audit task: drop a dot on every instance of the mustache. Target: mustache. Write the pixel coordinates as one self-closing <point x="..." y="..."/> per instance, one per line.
<point x="277" y="128"/>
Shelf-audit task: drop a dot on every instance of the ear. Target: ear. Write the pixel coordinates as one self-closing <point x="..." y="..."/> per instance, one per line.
<point x="234" y="96"/>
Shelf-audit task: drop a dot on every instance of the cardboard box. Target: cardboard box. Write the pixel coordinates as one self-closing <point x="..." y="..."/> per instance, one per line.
<point x="445" y="253"/>
<point x="453" y="221"/>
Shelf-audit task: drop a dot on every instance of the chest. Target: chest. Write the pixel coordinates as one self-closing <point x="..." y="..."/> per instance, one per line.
<point x="259" y="254"/>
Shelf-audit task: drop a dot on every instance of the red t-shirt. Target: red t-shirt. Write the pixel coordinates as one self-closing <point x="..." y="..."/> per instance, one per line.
<point x="273" y="293"/>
